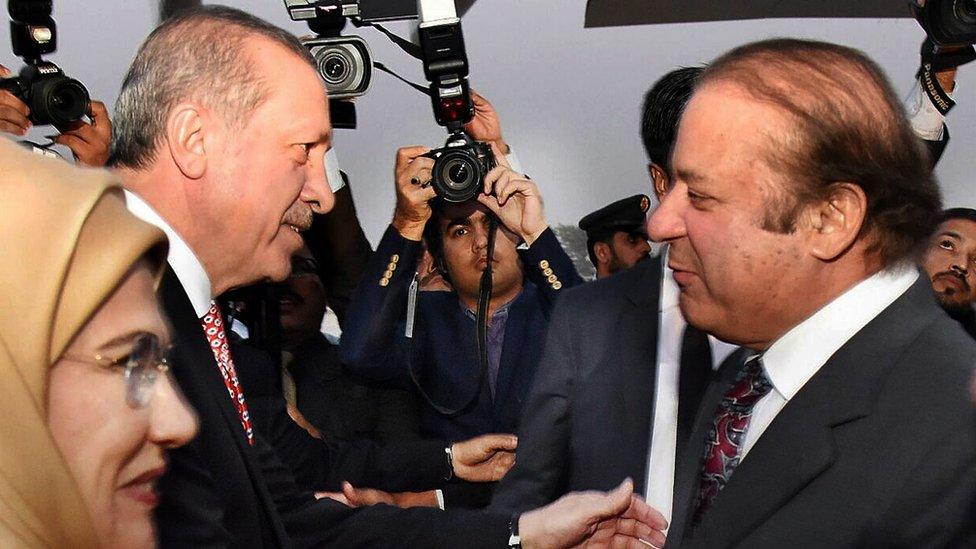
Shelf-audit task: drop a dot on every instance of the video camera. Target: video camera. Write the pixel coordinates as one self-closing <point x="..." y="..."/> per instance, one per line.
<point x="53" y="97"/>
<point x="947" y="22"/>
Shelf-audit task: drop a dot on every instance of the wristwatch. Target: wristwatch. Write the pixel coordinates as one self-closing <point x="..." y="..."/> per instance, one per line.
<point x="514" y="540"/>
<point x="450" y="462"/>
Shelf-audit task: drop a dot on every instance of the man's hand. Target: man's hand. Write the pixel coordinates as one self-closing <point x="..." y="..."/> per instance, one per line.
<point x="618" y="519"/>
<point x="361" y="497"/>
<point x="89" y="142"/>
<point x="413" y="192"/>
<point x="484" y="459"/>
<point x="13" y="111"/>
<point x="484" y="125"/>
<point x="514" y="199"/>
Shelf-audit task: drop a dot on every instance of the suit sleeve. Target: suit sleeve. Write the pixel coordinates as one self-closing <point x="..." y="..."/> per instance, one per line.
<point x="539" y="474"/>
<point x="373" y="343"/>
<point x="340" y="247"/>
<point x="549" y="267"/>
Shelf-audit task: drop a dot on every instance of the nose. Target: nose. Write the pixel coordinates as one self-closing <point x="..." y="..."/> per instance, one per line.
<point x="958" y="268"/>
<point x="317" y="192"/>
<point x="480" y="236"/>
<point x="643" y="246"/>
<point x="173" y="421"/>
<point x="667" y="222"/>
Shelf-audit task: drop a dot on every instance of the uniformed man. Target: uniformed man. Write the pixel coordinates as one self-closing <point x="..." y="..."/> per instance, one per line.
<point x="615" y="235"/>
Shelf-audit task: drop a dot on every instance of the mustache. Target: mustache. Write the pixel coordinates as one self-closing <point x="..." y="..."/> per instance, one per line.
<point x="957" y="275"/>
<point x="284" y="292"/>
<point x="299" y="215"/>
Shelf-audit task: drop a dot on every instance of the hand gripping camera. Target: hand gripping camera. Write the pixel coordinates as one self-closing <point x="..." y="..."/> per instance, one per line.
<point x="53" y="97"/>
<point x="947" y="22"/>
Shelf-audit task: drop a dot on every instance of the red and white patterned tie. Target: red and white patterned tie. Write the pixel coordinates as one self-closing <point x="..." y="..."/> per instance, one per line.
<point x="213" y="326"/>
<point x="723" y="446"/>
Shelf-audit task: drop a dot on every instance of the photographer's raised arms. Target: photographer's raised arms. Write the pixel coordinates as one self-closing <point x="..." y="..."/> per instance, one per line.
<point x="202" y="348"/>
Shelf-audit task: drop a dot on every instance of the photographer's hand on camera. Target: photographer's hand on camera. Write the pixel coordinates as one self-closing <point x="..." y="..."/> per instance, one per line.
<point x="515" y="199"/>
<point x="88" y="141"/>
<point x="413" y="192"/>
<point x="485" y="125"/>
<point x="13" y="111"/>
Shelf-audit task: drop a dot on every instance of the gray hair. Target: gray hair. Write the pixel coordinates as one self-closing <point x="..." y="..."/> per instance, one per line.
<point x="198" y="54"/>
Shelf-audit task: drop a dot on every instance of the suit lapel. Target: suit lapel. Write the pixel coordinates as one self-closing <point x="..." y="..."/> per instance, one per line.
<point x="196" y="370"/>
<point x="633" y="361"/>
<point x="799" y="444"/>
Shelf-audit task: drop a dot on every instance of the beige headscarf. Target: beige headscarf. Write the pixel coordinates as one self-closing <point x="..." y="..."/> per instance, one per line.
<point x="66" y="242"/>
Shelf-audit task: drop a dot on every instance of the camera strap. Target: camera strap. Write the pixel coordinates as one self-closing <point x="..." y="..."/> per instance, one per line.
<point x="934" y="61"/>
<point x="481" y="320"/>
<point x="411" y="49"/>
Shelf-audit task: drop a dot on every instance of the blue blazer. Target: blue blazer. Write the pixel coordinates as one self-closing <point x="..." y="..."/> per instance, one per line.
<point x="443" y="350"/>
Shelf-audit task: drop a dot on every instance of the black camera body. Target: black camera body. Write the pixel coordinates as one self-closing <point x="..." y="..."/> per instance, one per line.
<point x="52" y="96"/>
<point x="460" y="167"/>
<point x="947" y="22"/>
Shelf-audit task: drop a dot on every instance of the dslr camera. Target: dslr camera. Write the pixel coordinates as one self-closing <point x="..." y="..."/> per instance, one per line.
<point x="947" y="22"/>
<point x="53" y="97"/>
<point x="460" y="167"/>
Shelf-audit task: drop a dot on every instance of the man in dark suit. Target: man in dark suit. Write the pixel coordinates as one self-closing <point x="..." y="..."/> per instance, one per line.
<point x="620" y="369"/>
<point x="800" y="202"/>
<point x="217" y="146"/>
<point x="434" y="343"/>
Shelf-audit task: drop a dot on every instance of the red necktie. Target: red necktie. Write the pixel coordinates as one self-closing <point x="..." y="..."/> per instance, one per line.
<point x="723" y="446"/>
<point x="213" y="326"/>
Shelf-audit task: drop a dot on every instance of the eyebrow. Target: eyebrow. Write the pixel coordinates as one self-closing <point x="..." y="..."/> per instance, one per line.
<point x="462" y="221"/>
<point x="952" y="234"/>
<point x="126" y="338"/>
<point x="689" y="176"/>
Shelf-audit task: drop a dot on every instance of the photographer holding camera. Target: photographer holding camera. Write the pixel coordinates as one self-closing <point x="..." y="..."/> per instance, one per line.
<point x="394" y="334"/>
<point x="88" y="141"/>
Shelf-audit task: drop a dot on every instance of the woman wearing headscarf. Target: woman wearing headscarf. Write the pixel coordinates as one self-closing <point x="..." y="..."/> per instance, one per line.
<point x="86" y="406"/>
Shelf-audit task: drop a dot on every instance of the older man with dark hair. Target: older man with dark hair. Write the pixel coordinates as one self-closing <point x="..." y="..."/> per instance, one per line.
<point x="801" y="203"/>
<point x="221" y="132"/>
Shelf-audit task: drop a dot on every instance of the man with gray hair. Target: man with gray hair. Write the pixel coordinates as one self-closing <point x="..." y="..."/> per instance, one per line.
<point x="800" y="203"/>
<point x="221" y="131"/>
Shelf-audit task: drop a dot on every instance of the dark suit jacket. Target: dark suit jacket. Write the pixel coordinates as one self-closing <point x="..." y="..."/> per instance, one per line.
<point x="344" y="406"/>
<point x="221" y="492"/>
<point x="587" y="422"/>
<point x="443" y="348"/>
<point x="878" y="449"/>
<point x="322" y="465"/>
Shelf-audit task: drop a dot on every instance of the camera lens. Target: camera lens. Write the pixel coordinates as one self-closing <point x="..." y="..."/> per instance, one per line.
<point x="457" y="176"/>
<point x="334" y="68"/>
<point x="58" y="100"/>
<point x="966" y="11"/>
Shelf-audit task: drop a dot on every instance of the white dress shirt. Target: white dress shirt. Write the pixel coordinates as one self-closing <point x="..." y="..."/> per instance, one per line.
<point x="795" y="357"/>
<point x="187" y="266"/>
<point x="671" y="326"/>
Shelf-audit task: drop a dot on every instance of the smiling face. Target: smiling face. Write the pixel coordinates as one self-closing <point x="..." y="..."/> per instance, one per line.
<point x="464" y="233"/>
<point x="738" y="280"/>
<point x="115" y="451"/>
<point x="269" y="176"/>
<point x="950" y="262"/>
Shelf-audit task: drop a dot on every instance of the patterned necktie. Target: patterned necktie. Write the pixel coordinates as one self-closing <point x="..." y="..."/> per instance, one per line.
<point x="213" y="326"/>
<point x="723" y="447"/>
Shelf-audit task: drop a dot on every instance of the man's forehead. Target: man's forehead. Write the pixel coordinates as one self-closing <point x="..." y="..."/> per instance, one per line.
<point x="457" y="212"/>
<point x="963" y="228"/>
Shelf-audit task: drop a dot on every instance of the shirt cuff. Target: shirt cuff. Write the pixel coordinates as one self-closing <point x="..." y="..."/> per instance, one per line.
<point x="926" y="120"/>
<point x="439" y="494"/>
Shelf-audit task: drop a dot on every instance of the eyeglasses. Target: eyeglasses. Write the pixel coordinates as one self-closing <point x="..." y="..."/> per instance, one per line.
<point x="142" y="367"/>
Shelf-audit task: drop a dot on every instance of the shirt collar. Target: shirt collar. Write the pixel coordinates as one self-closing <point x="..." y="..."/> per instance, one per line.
<point x="795" y="357"/>
<point x="187" y="266"/>
<point x="670" y="293"/>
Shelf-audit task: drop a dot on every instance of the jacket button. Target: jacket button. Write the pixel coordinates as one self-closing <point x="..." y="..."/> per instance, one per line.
<point x="552" y="279"/>
<point x="391" y="267"/>
<point x="547" y="272"/>
<point x="556" y="285"/>
<point x="384" y="282"/>
<point x="394" y="258"/>
<point x="388" y="275"/>
<point x="543" y="264"/>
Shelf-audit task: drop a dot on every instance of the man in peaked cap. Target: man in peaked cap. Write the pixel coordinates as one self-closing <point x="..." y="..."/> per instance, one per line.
<point x="615" y="235"/>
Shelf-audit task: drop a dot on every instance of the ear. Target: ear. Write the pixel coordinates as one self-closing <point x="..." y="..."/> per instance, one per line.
<point x="659" y="180"/>
<point x="602" y="252"/>
<point x="185" y="132"/>
<point x="835" y="222"/>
